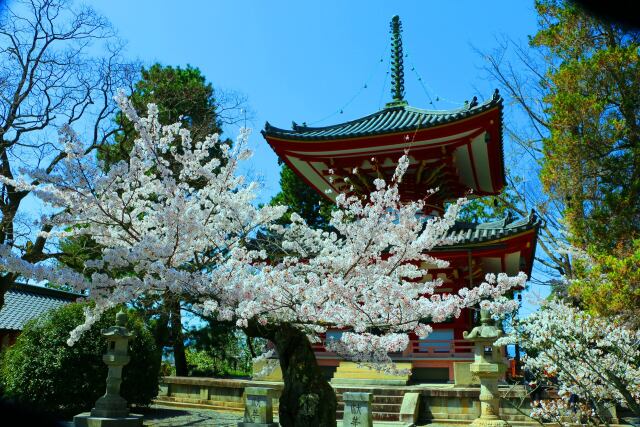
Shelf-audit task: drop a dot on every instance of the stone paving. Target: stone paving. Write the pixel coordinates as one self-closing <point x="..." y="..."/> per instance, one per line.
<point x="163" y="416"/>
<point x="159" y="416"/>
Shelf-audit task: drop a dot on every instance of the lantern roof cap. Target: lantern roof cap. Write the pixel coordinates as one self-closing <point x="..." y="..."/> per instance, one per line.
<point x="486" y="331"/>
<point x="117" y="331"/>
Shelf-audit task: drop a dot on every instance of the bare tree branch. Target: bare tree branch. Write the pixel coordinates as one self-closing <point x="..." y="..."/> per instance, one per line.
<point x="49" y="80"/>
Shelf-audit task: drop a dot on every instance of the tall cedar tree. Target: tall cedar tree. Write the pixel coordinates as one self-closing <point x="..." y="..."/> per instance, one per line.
<point x="585" y="104"/>
<point x="181" y="94"/>
<point x="592" y="153"/>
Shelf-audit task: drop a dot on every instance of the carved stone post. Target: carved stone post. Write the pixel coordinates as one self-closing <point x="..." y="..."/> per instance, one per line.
<point x="111" y="409"/>
<point x="357" y="409"/>
<point x="488" y="369"/>
<point x="258" y="409"/>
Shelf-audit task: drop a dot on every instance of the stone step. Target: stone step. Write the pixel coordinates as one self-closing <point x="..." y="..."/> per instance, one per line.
<point x="453" y="416"/>
<point x="460" y="417"/>
<point x="377" y="416"/>
<point x="357" y="382"/>
<point x="380" y="398"/>
<point x="380" y="407"/>
<point x="376" y="391"/>
<point x="386" y="402"/>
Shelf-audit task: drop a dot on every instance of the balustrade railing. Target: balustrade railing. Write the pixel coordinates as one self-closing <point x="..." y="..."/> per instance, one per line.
<point x="438" y="348"/>
<point x="421" y="349"/>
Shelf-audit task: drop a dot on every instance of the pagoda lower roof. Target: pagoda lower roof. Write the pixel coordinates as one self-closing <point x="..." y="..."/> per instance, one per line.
<point x="464" y="234"/>
<point x="505" y="245"/>
<point x="401" y="118"/>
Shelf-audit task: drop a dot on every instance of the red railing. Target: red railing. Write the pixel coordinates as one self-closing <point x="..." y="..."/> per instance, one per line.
<point x="439" y="348"/>
<point x="422" y="349"/>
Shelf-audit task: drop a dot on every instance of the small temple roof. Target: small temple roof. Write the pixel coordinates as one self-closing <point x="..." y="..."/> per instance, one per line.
<point x="25" y="302"/>
<point x="467" y="233"/>
<point x="401" y="118"/>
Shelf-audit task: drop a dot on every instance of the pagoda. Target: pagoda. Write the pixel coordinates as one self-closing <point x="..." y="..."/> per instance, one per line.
<point x="459" y="153"/>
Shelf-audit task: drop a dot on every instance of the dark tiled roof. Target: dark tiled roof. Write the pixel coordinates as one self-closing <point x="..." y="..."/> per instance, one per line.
<point x="466" y="233"/>
<point x="389" y="120"/>
<point x="25" y="302"/>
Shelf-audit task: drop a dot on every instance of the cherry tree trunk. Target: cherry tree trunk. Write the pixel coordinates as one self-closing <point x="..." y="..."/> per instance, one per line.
<point x="307" y="398"/>
<point x="179" y="356"/>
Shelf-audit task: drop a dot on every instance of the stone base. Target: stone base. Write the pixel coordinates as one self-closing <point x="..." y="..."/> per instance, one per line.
<point x="86" y="420"/>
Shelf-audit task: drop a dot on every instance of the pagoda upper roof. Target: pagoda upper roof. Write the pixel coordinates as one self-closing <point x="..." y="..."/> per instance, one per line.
<point x="392" y="119"/>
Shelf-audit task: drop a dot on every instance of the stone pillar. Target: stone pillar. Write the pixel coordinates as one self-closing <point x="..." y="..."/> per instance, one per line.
<point x="111" y="409"/>
<point x="258" y="409"/>
<point x="487" y="367"/>
<point x="357" y="409"/>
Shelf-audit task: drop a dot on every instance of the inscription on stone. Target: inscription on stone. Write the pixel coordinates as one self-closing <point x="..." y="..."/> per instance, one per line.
<point x="258" y="409"/>
<point x="357" y="410"/>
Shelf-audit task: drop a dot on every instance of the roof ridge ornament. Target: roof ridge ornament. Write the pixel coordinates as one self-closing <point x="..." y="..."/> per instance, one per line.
<point x="397" y="64"/>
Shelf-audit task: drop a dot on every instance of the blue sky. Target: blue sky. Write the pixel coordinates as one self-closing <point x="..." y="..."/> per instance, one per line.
<point x="306" y="60"/>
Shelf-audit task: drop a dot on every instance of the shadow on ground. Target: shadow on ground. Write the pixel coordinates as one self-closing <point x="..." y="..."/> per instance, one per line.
<point x="14" y="414"/>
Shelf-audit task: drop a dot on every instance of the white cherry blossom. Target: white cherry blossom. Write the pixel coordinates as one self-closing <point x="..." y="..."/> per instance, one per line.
<point x="180" y="220"/>
<point x="592" y="358"/>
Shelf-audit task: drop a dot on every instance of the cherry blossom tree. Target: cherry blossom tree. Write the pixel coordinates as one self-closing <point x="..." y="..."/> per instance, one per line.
<point x="594" y="362"/>
<point x="365" y="276"/>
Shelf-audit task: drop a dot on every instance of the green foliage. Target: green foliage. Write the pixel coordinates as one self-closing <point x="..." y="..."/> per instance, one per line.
<point x="42" y="371"/>
<point x="219" y="349"/>
<point x="610" y="284"/>
<point x="302" y="199"/>
<point x="592" y="93"/>
<point x="203" y="364"/>
<point x="75" y="252"/>
<point x="487" y="208"/>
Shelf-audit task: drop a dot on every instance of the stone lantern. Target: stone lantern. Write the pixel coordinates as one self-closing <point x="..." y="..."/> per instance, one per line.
<point x="111" y="409"/>
<point x="488" y="367"/>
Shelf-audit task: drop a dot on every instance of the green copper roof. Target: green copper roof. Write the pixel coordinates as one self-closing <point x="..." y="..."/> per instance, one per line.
<point x="466" y="233"/>
<point x="388" y="120"/>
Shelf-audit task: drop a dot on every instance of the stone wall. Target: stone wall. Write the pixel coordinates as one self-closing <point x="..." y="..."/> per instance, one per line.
<point x="437" y="403"/>
<point x="214" y="393"/>
<point x="462" y="404"/>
